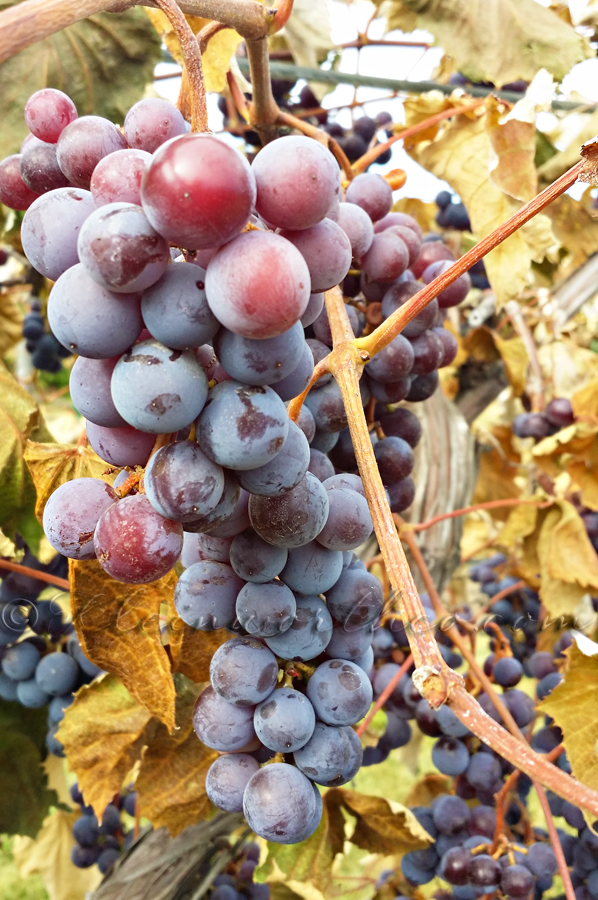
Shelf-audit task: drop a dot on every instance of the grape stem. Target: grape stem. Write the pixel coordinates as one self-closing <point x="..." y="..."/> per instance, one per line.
<point x="489" y="504"/>
<point x="535" y="381"/>
<point x="395" y="323"/>
<point x="192" y="72"/>
<point x="434" y="679"/>
<point x="385" y="694"/>
<point x="374" y="152"/>
<point x="532" y="759"/>
<point x="33" y="573"/>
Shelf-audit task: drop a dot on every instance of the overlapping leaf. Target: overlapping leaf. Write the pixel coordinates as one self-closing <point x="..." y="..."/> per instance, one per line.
<point x="525" y="38"/>
<point x="191" y="650"/>
<point x="103" y="62"/>
<point x="20" y="419"/>
<point x="119" y="629"/>
<point x="171" y="780"/>
<point x="49" y="855"/>
<point x="51" y="465"/>
<point x="572" y="705"/>
<point x="103" y="733"/>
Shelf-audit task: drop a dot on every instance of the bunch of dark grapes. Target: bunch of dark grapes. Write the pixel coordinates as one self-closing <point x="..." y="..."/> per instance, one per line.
<point x="451" y="215"/>
<point x="557" y="415"/>
<point x="46" y="351"/>
<point x="237" y="883"/>
<point x="41" y="661"/>
<point x="100" y="841"/>
<point x="203" y="315"/>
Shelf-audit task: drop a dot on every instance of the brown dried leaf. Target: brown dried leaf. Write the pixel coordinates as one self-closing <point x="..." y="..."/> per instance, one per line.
<point x="51" y="465"/>
<point x="584" y="472"/>
<point x="11" y="316"/>
<point x="49" y="855"/>
<point x="427" y="788"/>
<point x="118" y="626"/>
<point x="524" y="37"/>
<point x="382" y="826"/>
<point x="520" y="524"/>
<point x="568" y="561"/>
<point x="576" y="440"/>
<point x="589" y="154"/>
<point x="514" y="143"/>
<point x="103" y="733"/>
<point x="585" y="400"/>
<point x="572" y="704"/>
<point x="171" y="780"/>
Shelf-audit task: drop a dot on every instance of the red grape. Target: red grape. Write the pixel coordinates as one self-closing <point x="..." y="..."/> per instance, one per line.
<point x="134" y="543"/>
<point x="117" y="177"/>
<point x="48" y="112"/>
<point x="372" y="192"/>
<point x="83" y="144"/>
<point x="151" y="122"/>
<point x="197" y="191"/>
<point x="258" y="285"/>
<point x="14" y="193"/>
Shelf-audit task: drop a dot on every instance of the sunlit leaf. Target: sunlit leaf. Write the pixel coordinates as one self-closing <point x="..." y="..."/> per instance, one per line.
<point x="11" y="316"/>
<point x="191" y="650"/>
<point x="119" y="629"/>
<point x="103" y="733"/>
<point x="171" y="780"/>
<point x="568" y="561"/>
<point x="49" y="855"/>
<point x="572" y="704"/>
<point x="51" y="465"/>
<point x="524" y="36"/>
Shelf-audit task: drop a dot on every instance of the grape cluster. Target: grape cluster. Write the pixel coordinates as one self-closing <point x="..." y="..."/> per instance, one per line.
<point x="237" y="882"/>
<point x="46" y="351"/>
<point x="41" y="661"/>
<point x="451" y="215"/>
<point x="538" y="425"/>
<point x="101" y="842"/>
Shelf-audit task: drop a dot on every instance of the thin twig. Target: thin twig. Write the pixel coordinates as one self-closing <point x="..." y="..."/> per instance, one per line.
<point x="535" y="380"/>
<point x="207" y="33"/>
<point x="395" y="323"/>
<point x="33" y="573"/>
<point x="372" y="155"/>
<point x="192" y="63"/>
<point x="381" y="700"/>
<point x="489" y="504"/>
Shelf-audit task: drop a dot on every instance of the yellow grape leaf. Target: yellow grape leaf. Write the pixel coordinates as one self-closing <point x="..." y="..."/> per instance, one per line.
<point x="216" y="59"/>
<point x="11" y="316"/>
<point x="567" y="366"/>
<point x="525" y="37"/>
<point x="486" y="345"/>
<point x="564" y="159"/>
<point x="118" y="626"/>
<point x="568" y="561"/>
<point x="103" y="733"/>
<point x="49" y="855"/>
<point x="520" y="524"/>
<point x="311" y="860"/>
<point x="514" y="143"/>
<point x="51" y="465"/>
<point x="382" y="826"/>
<point x="7" y="547"/>
<point x="572" y="704"/>
<point x="497" y="468"/>
<point x="574" y="441"/>
<point x="422" y="107"/>
<point x="20" y="419"/>
<point x="574" y="227"/>
<point x="462" y="155"/>
<point x="585" y="400"/>
<point x="584" y="472"/>
<point x="171" y="780"/>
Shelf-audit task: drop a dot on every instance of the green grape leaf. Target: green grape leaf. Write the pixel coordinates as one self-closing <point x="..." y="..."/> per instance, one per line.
<point x="103" y="63"/>
<point x="23" y="785"/>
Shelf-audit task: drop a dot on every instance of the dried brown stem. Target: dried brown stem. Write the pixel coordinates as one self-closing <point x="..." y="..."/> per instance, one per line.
<point x="489" y="504"/>
<point x="207" y="33"/>
<point x="33" y="573"/>
<point x="385" y="694"/>
<point x="395" y="323"/>
<point x="192" y="63"/>
<point x="536" y="765"/>
<point x="346" y="364"/>
<point x="556" y="844"/>
<point x="263" y="109"/>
